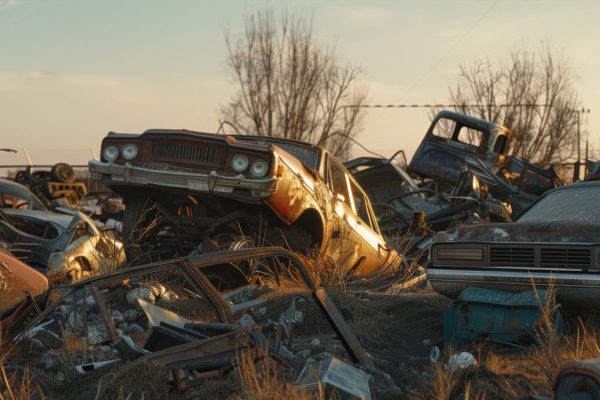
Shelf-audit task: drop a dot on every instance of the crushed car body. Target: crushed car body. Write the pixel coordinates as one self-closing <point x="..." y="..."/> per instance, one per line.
<point x="189" y="192"/>
<point x="396" y="198"/>
<point x="554" y="243"/>
<point x="451" y="138"/>
<point x="460" y="157"/>
<point x="65" y="244"/>
<point x="166" y="312"/>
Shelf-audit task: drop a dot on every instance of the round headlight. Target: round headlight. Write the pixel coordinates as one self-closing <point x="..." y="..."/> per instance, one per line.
<point x="129" y="151"/>
<point x="111" y="153"/>
<point x="259" y="168"/>
<point x="239" y="163"/>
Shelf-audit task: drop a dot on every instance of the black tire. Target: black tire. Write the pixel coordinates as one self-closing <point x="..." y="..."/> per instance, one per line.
<point x="62" y="172"/>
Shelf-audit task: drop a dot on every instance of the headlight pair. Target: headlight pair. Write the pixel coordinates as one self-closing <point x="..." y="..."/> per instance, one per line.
<point x="240" y="163"/>
<point x="128" y="152"/>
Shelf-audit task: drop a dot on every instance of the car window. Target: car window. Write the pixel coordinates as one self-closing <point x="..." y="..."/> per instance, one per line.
<point x="470" y="136"/>
<point x="535" y="183"/>
<point x="578" y="204"/>
<point x="447" y="129"/>
<point x="337" y="179"/>
<point x="70" y="324"/>
<point x="444" y="128"/>
<point x="14" y="195"/>
<point x="360" y="203"/>
<point x="500" y="144"/>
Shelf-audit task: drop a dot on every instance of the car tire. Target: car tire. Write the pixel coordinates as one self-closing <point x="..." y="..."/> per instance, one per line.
<point x="62" y="172"/>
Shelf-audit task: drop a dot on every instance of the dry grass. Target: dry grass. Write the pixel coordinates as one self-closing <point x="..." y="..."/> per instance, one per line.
<point x="16" y="383"/>
<point x="517" y="374"/>
<point x="260" y="381"/>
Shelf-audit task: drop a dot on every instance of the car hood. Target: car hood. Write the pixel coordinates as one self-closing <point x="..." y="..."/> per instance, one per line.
<point x="549" y="232"/>
<point x="16" y="278"/>
<point x="63" y="220"/>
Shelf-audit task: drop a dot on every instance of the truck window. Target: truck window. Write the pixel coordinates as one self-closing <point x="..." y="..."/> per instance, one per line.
<point x="470" y="136"/>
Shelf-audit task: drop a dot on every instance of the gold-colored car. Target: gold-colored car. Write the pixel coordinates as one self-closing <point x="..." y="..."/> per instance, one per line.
<point x="188" y="192"/>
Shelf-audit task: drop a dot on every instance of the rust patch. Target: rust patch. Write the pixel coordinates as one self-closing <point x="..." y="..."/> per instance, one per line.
<point x="6" y="276"/>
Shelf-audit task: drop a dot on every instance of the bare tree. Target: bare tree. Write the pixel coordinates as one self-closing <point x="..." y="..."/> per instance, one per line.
<point x="290" y="86"/>
<point x="529" y="93"/>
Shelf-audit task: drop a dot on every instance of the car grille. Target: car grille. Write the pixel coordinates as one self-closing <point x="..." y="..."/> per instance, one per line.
<point x="512" y="256"/>
<point x="189" y="153"/>
<point x="561" y="258"/>
<point x="540" y="257"/>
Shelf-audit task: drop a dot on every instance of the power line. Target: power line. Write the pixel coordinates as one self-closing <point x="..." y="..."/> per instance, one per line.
<point x="442" y="105"/>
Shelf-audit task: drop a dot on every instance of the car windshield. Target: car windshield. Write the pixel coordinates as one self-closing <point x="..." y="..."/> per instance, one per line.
<point x="14" y="195"/>
<point x="308" y="155"/>
<point x="566" y="205"/>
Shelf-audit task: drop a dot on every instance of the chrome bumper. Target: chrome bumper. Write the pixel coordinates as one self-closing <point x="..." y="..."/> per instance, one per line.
<point x="211" y="182"/>
<point x="573" y="288"/>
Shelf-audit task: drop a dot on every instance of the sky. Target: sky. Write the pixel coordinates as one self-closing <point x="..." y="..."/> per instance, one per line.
<point x="71" y="71"/>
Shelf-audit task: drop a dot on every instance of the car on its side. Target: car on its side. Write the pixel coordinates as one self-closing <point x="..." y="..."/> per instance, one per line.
<point x="555" y="242"/>
<point x="189" y="192"/>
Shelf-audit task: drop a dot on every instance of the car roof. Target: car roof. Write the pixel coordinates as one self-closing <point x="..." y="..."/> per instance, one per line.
<point x="247" y="138"/>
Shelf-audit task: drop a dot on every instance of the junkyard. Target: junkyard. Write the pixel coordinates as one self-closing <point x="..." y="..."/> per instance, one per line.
<point x="299" y="242"/>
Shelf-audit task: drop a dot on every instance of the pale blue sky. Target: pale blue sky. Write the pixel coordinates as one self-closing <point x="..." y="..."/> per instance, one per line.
<point x="70" y="71"/>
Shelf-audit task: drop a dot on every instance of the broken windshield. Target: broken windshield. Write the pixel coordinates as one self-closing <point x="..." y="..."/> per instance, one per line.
<point x="577" y="204"/>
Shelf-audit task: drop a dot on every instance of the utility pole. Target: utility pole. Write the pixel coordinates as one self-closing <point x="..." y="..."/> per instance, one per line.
<point x="577" y="166"/>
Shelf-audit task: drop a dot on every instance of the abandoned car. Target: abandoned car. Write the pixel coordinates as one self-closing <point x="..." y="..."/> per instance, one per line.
<point x="167" y="313"/>
<point x="63" y="245"/>
<point x="516" y="182"/>
<point x="456" y="143"/>
<point x="189" y="192"/>
<point x="396" y="198"/>
<point x="555" y="242"/>
<point x="451" y="138"/>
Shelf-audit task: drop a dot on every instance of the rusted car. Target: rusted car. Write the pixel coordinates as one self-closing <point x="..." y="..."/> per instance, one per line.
<point x="453" y="137"/>
<point x="167" y="313"/>
<point x="65" y="244"/>
<point x="458" y="147"/>
<point x="188" y="192"/>
<point x="516" y="182"/>
<point x="20" y="287"/>
<point x="554" y="243"/>
<point x="396" y="198"/>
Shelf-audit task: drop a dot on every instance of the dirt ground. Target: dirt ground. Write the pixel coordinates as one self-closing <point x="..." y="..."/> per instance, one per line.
<point x="397" y="331"/>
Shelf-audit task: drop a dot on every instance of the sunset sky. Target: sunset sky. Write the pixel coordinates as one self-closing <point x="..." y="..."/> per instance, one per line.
<point x="70" y="71"/>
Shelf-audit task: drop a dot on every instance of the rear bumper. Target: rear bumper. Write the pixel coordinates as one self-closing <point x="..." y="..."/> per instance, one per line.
<point x="212" y="182"/>
<point x="573" y="288"/>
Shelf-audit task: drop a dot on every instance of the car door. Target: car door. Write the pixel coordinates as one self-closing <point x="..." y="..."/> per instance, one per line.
<point x="364" y="223"/>
<point x="345" y="246"/>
